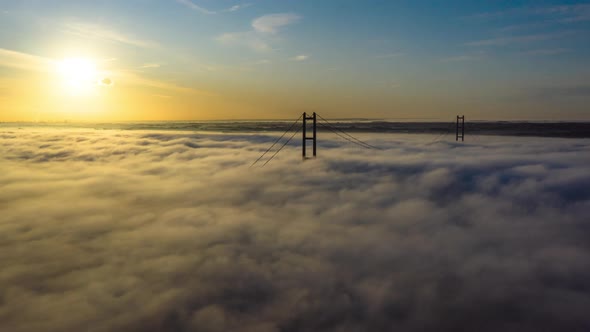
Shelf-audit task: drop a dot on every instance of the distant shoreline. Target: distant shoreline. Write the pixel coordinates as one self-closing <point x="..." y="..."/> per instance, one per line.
<point x="498" y="128"/>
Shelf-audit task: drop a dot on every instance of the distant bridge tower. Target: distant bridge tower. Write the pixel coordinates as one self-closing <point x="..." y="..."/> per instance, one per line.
<point x="460" y="129"/>
<point x="305" y="138"/>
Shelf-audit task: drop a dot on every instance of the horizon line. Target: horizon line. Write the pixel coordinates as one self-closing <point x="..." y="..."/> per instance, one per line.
<point x="289" y="119"/>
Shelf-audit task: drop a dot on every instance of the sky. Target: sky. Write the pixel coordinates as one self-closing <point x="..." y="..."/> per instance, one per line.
<point x="113" y="230"/>
<point x="144" y="60"/>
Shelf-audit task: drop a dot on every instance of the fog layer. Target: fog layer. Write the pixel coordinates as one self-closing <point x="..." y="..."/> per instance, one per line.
<point x="172" y="231"/>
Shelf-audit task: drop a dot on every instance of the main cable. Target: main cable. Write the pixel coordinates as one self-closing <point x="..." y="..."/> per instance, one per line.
<point x="344" y="137"/>
<point x="360" y="142"/>
<point x="279" y="150"/>
<point x="273" y="144"/>
<point x="334" y="128"/>
<point x="450" y="126"/>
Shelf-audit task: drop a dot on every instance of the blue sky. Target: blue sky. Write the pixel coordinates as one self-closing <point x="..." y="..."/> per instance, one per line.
<point x="490" y="59"/>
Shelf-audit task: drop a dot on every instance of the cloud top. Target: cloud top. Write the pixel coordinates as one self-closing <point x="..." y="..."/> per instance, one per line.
<point x="156" y="231"/>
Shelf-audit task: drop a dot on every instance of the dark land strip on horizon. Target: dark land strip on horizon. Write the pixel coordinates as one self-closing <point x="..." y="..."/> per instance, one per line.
<point x="503" y="128"/>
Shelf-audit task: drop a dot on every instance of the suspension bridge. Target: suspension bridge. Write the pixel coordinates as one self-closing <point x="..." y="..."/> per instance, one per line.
<point x="314" y="120"/>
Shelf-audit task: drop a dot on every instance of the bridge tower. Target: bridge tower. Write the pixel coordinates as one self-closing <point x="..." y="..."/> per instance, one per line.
<point x="460" y="129"/>
<point x="304" y="139"/>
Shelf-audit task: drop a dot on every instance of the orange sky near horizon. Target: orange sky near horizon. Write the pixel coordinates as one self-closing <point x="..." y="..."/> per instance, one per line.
<point x="180" y="60"/>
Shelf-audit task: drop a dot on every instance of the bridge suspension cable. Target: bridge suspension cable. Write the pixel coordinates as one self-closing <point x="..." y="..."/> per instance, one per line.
<point x="344" y="137"/>
<point x="279" y="150"/>
<point x="333" y="128"/>
<point x="275" y="142"/>
<point x="442" y="135"/>
<point x="347" y="136"/>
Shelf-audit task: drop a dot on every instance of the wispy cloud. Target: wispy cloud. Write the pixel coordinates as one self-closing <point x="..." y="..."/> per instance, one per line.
<point x="273" y="22"/>
<point x="559" y="92"/>
<point x="95" y="31"/>
<point x="196" y="7"/>
<point x="151" y="65"/>
<point x="562" y="13"/>
<point x="521" y="27"/>
<point x="261" y="62"/>
<point x="238" y="7"/>
<point x="264" y="31"/>
<point x="490" y="16"/>
<point x="190" y="4"/>
<point x="300" y="58"/>
<point x="501" y="41"/>
<point x="136" y="79"/>
<point x="547" y="51"/>
<point x="388" y="55"/>
<point x="249" y="39"/>
<point x="462" y="58"/>
<point x="24" y="61"/>
<point x="566" y="13"/>
<point x="29" y="62"/>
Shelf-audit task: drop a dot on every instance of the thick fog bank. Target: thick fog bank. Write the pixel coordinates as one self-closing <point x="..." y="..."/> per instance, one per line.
<point x="172" y="231"/>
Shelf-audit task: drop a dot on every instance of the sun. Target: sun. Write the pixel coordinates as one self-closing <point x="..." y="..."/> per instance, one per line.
<point x="79" y="76"/>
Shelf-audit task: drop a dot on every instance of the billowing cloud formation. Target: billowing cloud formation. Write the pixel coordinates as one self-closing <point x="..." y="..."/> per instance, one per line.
<point x="171" y="231"/>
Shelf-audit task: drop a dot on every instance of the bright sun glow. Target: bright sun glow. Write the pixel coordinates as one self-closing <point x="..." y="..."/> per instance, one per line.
<point x="80" y="76"/>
